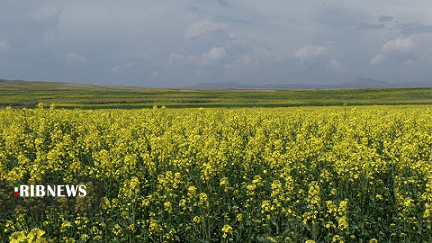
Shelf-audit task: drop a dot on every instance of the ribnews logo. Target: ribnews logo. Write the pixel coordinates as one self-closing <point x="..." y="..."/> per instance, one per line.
<point x="49" y="190"/>
<point x="51" y="196"/>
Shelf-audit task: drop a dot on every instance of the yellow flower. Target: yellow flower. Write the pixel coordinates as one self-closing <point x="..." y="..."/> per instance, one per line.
<point x="226" y="229"/>
<point x="66" y="224"/>
<point x="197" y="219"/>
<point x="192" y="191"/>
<point x="333" y="191"/>
<point x="223" y="181"/>
<point x="239" y="217"/>
<point x="84" y="237"/>
<point x="336" y="238"/>
<point x="168" y="207"/>
<point x="117" y="229"/>
<point x="266" y="206"/>
<point x="35" y="235"/>
<point x="18" y="237"/>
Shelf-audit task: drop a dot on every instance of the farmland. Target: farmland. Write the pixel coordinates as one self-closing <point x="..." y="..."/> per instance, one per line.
<point x="20" y="94"/>
<point x="288" y="174"/>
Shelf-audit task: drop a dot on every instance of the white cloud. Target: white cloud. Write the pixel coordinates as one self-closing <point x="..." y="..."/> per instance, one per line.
<point x="247" y="61"/>
<point x="74" y="59"/>
<point x="206" y="59"/>
<point x="398" y="44"/>
<point x="392" y="47"/>
<point x="155" y="74"/>
<point x="121" y="67"/>
<point x="116" y="69"/>
<point x="213" y="56"/>
<point x="203" y="28"/>
<point x="335" y="66"/>
<point x="174" y="57"/>
<point x="4" y="46"/>
<point x="216" y="54"/>
<point x="308" y="53"/>
<point x="377" y="59"/>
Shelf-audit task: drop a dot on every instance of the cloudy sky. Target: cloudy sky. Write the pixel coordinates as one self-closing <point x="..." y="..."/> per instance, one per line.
<point x="179" y="43"/>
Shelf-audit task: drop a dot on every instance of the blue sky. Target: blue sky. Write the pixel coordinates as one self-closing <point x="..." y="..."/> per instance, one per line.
<point x="181" y="43"/>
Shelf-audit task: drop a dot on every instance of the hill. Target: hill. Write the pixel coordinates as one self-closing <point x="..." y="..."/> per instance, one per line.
<point x="20" y="84"/>
<point x="22" y="94"/>
<point x="358" y="83"/>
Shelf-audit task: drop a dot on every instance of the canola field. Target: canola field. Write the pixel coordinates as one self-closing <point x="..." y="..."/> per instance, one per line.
<point x="333" y="174"/>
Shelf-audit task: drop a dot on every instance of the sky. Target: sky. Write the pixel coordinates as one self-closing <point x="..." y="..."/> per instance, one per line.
<point x="182" y="43"/>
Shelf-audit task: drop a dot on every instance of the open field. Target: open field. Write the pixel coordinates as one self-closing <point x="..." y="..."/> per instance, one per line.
<point x="91" y="97"/>
<point x="308" y="174"/>
<point x="19" y="84"/>
<point x="263" y="166"/>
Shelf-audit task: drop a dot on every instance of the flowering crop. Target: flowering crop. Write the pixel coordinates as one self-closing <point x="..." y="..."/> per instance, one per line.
<point x="211" y="175"/>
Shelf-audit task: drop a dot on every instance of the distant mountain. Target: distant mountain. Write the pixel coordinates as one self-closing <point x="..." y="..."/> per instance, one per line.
<point x="235" y="85"/>
<point x="358" y="83"/>
<point x="217" y="85"/>
<point x="361" y="83"/>
<point x="298" y="86"/>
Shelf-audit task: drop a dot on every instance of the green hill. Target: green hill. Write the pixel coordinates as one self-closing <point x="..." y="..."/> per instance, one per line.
<point x="27" y="94"/>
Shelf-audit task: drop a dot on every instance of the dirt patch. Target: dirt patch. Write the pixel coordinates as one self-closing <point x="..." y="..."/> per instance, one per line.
<point x="26" y="104"/>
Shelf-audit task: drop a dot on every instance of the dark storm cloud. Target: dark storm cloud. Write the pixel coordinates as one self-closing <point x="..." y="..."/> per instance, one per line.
<point x="385" y="18"/>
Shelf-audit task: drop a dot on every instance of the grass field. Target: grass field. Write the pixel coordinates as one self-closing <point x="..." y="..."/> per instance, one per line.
<point x="110" y="97"/>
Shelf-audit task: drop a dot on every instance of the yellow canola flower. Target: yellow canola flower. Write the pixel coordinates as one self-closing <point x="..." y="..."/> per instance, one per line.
<point x="168" y="207"/>
<point x="277" y="165"/>
<point x="192" y="191"/>
<point x="226" y="229"/>
<point x="223" y="181"/>
<point x="35" y="236"/>
<point x="197" y="219"/>
<point x="18" y="237"/>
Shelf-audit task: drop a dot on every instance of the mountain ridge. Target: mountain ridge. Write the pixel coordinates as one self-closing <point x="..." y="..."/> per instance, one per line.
<point x="358" y="83"/>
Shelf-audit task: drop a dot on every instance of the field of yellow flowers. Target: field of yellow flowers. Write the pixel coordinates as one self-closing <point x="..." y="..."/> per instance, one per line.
<point x="333" y="174"/>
